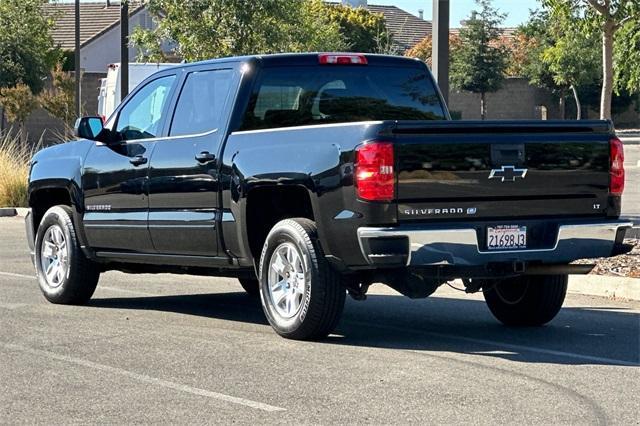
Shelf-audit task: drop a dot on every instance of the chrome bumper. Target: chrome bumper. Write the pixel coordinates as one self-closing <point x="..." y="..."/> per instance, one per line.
<point x="459" y="245"/>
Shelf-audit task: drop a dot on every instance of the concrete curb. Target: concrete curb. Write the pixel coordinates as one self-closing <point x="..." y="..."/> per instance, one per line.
<point x="13" y="211"/>
<point x="605" y="286"/>
<point x="633" y="232"/>
<point x="7" y="212"/>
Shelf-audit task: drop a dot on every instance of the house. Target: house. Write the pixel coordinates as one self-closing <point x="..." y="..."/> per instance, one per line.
<point x="407" y="29"/>
<point x="100" y="39"/>
<point x="99" y="31"/>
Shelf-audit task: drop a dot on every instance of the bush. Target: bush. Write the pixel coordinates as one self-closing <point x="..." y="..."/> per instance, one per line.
<point x="14" y="170"/>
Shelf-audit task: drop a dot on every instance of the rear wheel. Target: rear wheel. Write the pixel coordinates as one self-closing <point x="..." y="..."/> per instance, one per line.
<point x="65" y="275"/>
<point x="527" y="300"/>
<point x="302" y="296"/>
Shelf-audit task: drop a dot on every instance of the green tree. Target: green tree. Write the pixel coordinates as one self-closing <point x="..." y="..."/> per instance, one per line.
<point x="360" y="28"/>
<point x="27" y="51"/>
<point x="18" y="102"/>
<point x="626" y="58"/>
<point x="566" y="56"/>
<point x="573" y="62"/>
<point x="59" y="100"/>
<point x="558" y="57"/>
<point x="608" y="17"/>
<point x="207" y="29"/>
<point x="480" y="62"/>
<point x="423" y="49"/>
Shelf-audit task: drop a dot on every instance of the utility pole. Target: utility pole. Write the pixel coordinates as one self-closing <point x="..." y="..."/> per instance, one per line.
<point x="440" y="45"/>
<point x="124" y="49"/>
<point x="76" y="55"/>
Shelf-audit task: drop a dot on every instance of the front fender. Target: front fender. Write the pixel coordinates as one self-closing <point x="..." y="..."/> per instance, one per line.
<point x="60" y="168"/>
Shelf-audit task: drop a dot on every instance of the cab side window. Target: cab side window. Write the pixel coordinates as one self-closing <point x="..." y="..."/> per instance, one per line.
<point x="200" y="107"/>
<point x="141" y="117"/>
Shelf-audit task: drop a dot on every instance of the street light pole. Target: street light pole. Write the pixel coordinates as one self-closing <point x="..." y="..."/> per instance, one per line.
<point x="440" y="45"/>
<point x="124" y="49"/>
<point x="77" y="61"/>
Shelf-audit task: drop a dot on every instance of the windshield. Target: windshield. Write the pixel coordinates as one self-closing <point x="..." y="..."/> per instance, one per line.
<point x="297" y="96"/>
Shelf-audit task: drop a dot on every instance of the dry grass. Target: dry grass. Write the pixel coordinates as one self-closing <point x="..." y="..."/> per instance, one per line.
<point x="14" y="170"/>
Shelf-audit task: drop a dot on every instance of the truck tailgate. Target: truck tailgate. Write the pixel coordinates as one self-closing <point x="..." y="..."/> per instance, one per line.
<point x="468" y="170"/>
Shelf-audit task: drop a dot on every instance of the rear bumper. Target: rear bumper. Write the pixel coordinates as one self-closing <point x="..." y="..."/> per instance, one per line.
<point x="459" y="245"/>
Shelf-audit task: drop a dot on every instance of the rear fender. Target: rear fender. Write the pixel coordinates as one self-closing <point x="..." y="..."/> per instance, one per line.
<point x="276" y="165"/>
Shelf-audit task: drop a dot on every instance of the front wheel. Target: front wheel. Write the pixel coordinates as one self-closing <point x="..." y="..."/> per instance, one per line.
<point x="302" y="296"/>
<point x="65" y="275"/>
<point x="527" y="300"/>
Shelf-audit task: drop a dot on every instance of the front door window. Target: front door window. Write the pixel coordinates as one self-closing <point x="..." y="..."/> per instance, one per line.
<point x="141" y="117"/>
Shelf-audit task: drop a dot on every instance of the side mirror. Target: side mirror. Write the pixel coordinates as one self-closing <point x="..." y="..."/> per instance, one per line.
<point x="88" y="127"/>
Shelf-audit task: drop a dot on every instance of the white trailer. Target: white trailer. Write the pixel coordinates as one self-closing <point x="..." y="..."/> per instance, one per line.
<point x="109" y="95"/>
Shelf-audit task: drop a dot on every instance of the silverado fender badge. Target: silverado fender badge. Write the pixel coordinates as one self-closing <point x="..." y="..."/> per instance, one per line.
<point x="98" y="207"/>
<point x="507" y="173"/>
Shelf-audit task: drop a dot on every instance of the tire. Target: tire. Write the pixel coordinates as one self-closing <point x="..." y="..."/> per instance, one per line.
<point x="251" y="286"/>
<point x="72" y="277"/>
<point x="527" y="300"/>
<point x="312" y="297"/>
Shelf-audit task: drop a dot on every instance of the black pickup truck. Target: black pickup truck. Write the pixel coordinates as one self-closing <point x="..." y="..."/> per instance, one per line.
<point x="310" y="176"/>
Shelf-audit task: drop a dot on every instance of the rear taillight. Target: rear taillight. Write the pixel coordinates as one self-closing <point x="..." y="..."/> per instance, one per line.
<point x="341" y="59"/>
<point x="616" y="171"/>
<point x="374" y="175"/>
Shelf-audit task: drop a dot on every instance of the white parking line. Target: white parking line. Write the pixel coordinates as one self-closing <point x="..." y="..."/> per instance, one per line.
<point x="144" y="378"/>
<point x="11" y="274"/>
<point x="122" y="290"/>
<point x="101" y="287"/>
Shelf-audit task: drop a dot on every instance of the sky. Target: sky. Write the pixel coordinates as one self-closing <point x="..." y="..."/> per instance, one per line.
<point x="517" y="10"/>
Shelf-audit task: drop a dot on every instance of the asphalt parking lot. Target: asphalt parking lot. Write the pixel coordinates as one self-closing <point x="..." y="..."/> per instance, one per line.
<point x="182" y="349"/>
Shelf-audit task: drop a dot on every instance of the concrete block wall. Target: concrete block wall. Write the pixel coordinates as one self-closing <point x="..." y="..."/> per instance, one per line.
<point x="516" y="100"/>
<point x="41" y="125"/>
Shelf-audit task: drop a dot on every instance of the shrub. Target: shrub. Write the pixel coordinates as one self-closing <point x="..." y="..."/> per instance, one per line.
<point x="14" y="170"/>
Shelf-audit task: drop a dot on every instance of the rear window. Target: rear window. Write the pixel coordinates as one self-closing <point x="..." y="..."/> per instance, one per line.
<point x="298" y="96"/>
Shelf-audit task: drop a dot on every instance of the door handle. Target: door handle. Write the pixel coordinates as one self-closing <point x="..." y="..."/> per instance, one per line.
<point x="138" y="160"/>
<point x="205" y="157"/>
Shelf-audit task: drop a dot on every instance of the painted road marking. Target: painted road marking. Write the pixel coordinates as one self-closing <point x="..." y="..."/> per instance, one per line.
<point x="11" y="274"/>
<point x="100" y="287"/>
<point x="144" y="378"/>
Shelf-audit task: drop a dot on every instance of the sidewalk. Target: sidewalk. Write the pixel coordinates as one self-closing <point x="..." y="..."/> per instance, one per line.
<point x="605" y="286"/>
<point x="630" y="138"/>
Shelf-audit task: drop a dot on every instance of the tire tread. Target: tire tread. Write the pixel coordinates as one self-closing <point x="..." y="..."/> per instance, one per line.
<point x="329" y="294"/>
<point x="83" y="273"/>
<point x="541" y="303"/>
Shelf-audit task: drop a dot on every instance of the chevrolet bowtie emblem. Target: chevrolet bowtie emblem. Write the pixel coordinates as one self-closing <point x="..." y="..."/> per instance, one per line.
<point x="507" y="173"/>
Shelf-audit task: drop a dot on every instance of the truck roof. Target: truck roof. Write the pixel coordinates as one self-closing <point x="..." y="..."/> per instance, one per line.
<point x="298" y="59"/>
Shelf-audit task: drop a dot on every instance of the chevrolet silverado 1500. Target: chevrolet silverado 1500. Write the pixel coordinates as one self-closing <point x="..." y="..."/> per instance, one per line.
<point x="312" y="176"/>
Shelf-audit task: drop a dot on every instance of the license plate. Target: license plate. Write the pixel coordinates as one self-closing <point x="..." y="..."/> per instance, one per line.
<point x="506" y="237"/>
